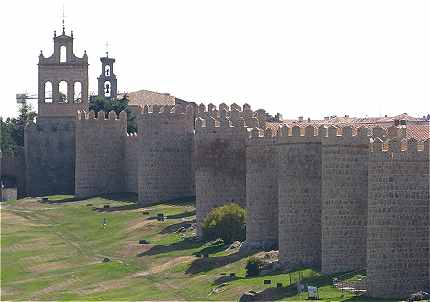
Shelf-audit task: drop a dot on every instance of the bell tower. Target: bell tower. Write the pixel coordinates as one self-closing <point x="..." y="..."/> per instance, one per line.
<point x="62" y="80"/>
<point x="107" y="83"/>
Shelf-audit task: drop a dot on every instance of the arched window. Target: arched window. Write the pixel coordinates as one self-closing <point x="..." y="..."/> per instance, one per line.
<point x="107" y="89"/>
<point x="63" y="54"/>
<point x="48" y="92"/>
<point x="77" y="92"/>
<point x="107" y="70"/>
<point x="62" y="92"/>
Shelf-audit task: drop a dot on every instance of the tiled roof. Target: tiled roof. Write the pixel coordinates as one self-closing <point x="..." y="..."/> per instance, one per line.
<point x="418" y="128"/>
<point x="146" y="97"/>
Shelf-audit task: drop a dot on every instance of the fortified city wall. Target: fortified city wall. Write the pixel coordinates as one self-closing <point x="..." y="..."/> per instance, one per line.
<point x="398" y="218"/>
<point x="299" y="183"/>
<point x="220" y="164"/>
<point x="344" y="199"/>
<point x="165" y="148"/>
<point x="50" y="157"/>
<point x="100" y="153"/>
<point x="262" y="189"/>
<point x="131" y="162"/>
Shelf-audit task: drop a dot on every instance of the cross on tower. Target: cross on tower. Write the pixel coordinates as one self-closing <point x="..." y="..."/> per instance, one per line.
<point x="107" y="49"/>
<point x="64" y="29"/>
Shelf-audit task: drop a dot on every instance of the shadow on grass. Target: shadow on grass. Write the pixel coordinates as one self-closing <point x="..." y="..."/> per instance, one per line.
<point x="182" y="215"/>
<point x="173" y="228"/>
<point x="185" y="244"/>
<point x="64" y="200"/>
<point x="203" y="265"/>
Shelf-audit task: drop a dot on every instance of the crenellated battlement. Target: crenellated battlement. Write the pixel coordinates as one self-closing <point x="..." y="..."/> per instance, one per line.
<point x="400" y="149"/>
<point x="101" y="116"/>
<point x="259" y="136"/>
<point x="167" y="111"/>
<point x="236" y="114"/>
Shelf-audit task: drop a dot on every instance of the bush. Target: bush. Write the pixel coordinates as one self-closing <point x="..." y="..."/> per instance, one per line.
<point x="226" y="222"/>
<point x="253" y="266"/>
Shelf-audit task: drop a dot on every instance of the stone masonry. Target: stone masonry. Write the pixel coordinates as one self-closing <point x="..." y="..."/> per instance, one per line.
<point x="99" y="169"/>
<point x="165" y="144"/>
<point x="332" y="196"/>
<point x="344" y="200"/>
<point x="220" y="165"/>
<point x="398" y="222"/>
<point x="262" y="189"/>
<point x="299" y="184"/>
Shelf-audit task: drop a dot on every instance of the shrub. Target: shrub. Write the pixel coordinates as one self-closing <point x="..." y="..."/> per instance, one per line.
<point x="253" y="266"/>
<point x="226" y="222"/>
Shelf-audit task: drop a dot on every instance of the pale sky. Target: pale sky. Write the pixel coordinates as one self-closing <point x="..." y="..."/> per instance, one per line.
<point x="300" y="58"/>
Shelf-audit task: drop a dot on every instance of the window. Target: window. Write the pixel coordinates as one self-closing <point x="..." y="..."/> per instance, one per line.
<point x="107" y="70"/>
<point x="63" y="54"/>
<point x="62" y="92"/>
<point x="48" y="92"/>
<point x="77" y="95"/>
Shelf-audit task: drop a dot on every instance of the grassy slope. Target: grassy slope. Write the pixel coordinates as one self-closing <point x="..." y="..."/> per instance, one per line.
<point x="54" y="251"/>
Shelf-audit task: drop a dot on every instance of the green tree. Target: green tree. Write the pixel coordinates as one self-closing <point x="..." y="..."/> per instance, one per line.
<point x="12" y="129"/>
<point x="253" y="266"/>
<point x="226" y="222"/>
<point x="99" y="103"/>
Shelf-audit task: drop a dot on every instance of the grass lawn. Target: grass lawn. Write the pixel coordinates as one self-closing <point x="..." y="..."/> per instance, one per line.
<point x="54" y="250"/>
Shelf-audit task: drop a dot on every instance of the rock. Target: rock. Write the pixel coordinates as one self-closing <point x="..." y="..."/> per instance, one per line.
<point x="419" y="296"/>
<point x="181" y="230"/>
<point x="143" y="241"/>
<point x="234" y="246"/>
<point x="106" y="206"/>
<point x="106" y="259"/>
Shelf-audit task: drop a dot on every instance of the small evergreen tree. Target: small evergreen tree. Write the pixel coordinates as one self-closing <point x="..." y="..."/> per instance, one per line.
<point x="226" y="222"/>
<point x="253" y="266"/>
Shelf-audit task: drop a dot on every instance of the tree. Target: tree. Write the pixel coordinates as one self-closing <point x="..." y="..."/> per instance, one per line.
<point x="226" y="222"/>
<point x="12" y="129"/>
<point x="253" y="266"/>
<point x="99" y="103"/>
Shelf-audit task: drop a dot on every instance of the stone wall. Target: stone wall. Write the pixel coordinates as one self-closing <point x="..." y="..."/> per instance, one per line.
<point x="220" y="163"/>
<point x="299" y="197"/>
<point x="100" y="153"/>
<point x="344" y="200"/>
<point x="13" y="165"/>
<point x="131" y="163"/>
<point x="398" y="219"/>
<point x="261" y="189"/>
<point x="50" y="157"/>
<point x="165" y="153"/>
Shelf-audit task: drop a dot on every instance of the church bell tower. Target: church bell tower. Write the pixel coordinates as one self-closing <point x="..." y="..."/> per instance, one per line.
<point x="107" y="83"/>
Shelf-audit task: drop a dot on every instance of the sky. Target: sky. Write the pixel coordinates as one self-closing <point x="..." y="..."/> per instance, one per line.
<point x="299" y="57"/>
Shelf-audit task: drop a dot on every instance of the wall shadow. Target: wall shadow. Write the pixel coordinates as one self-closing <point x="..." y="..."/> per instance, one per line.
<point x="182" y="215"/>
<point x="173" y="228"/>
<point x="203" y="265"/>
<point x="185" y="244"/>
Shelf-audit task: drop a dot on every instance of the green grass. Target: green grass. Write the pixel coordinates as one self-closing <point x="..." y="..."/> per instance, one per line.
<point x="55" y="250"/>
